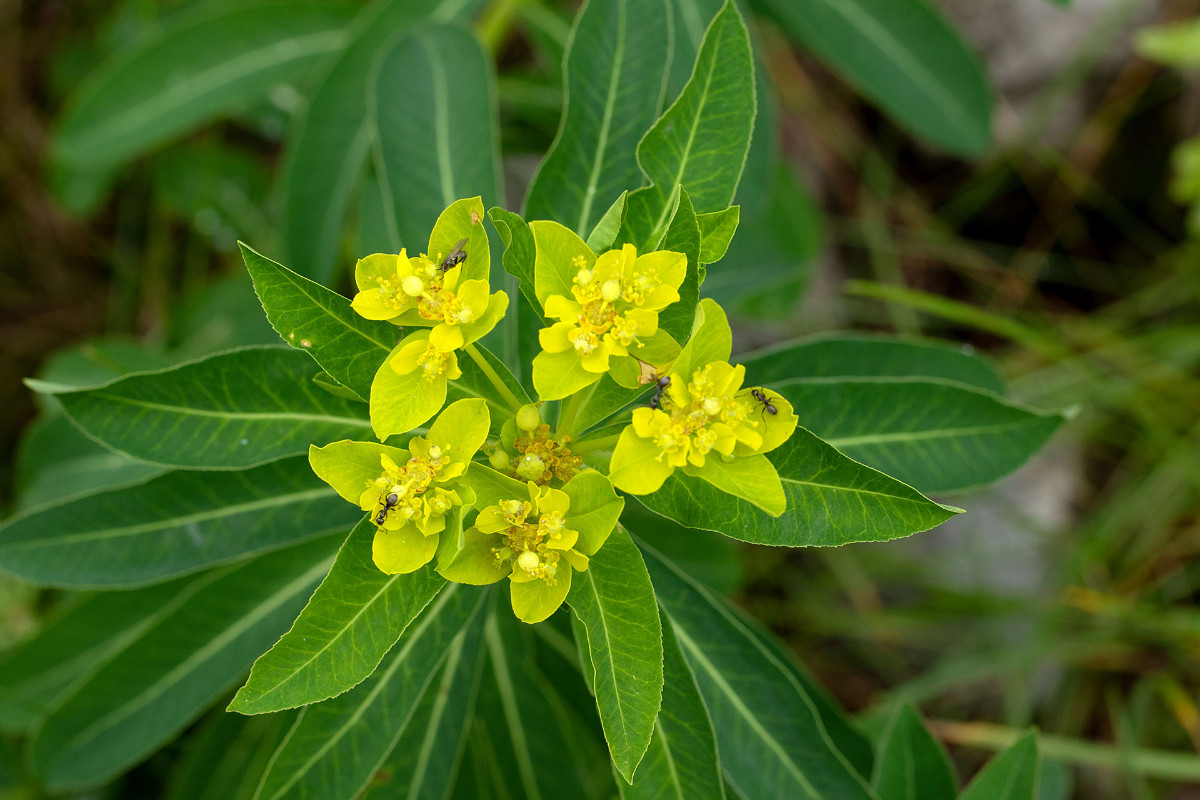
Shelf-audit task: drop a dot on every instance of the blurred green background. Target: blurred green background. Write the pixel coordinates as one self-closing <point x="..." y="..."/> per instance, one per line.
<point x="1068" y="251"/>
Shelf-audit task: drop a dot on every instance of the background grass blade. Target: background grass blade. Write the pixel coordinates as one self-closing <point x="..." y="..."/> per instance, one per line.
<point x="170" y="525"/>
<point x="615" y="74"/>
<point x="167" y="676"/>
<point x="230" y="410"/>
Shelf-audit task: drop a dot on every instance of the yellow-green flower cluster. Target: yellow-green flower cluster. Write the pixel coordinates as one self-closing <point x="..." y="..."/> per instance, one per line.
<point x="545" y="510"/>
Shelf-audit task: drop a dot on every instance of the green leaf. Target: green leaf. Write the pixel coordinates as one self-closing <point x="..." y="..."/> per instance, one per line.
<point x="831" y="500"/>
<point x="605" y="233"/>
<point x="1012" y="775"/>
<point x="425" y="762"/>
<point x="54" y="454"/>
<point x="432" y="113"/>
<point x="682" y="759"/>
<point x="170" y="525"/>
<point x="534" y="711"/>
<point x="934" y="435"/>
<point x="519" y="252"/>
<point x="710" y="558"/>
<point x="75" y="642"/>
<point x="911" y="763"/>
<point x="330" y="141"/>
<point x="615" y="602"/>
<point x="769" y="735"/>
<point x="751" y="478"/>
<point x="716" y="232"/>
<point x="233" y="409"/>
<point x="701" y="141"/>
<point x="683" y="236"/>
<point x="905" y="58"/>
<point x="864" y="355"/>
<point x="614" y="76"/>
<point x="349" y="624"/>
<point x="192" y="74"/>
<point x="225" y="757"/>
<point x="310" y="317"/>
<point x="336" y="746"/>
<point x="163" y="679"/>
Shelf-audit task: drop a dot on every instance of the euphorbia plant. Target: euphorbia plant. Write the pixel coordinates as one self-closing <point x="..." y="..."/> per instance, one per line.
<point x="354" y="514"/>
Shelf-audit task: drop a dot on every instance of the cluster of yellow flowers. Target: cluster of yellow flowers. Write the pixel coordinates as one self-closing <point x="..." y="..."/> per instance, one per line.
<point x="546" y="501"/>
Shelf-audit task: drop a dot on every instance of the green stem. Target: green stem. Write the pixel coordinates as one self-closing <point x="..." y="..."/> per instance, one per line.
<point x="1165" y="764"/>
<point x="566" y="417"/>
<point x="493" y="377"/>
<point x="588" y="445"/>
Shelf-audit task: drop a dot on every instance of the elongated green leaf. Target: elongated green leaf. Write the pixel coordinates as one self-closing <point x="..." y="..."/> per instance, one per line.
<point x="425" y="762"/>
<point x="330" y="143"/>
<point x="519" y="252"/>
<point x="1012" y="775"/>
<point x="769" y="735"/>
<point x="911" y="764"/>
<point x="609" y="225"/>
<point x="54" y="454"/>
<point x="831" y="500"/>
<point x="716" y="232"/>
<point x="865" y="355"/>
<point x="683" y="236"/>
<point x="615" y="73"/>
<point x="336" y="747"/>
<point x="701" y="141"/>
<point x="320" y="321"/>
<point x="170" y="525"/>
<point x="352" y="620"/>
<point x="226" y="756"/>
<point x="535" y="711"/>
<point x="615" y="602"/>
<point x="905" y="58"/>
<point x="936" y="436"/>
<point x="433" y="116"/>
<point x="234" y="409"/>
<point x="681" y="762"/>
<point x="84" y="637"/>
<point x="169" y="674"/>
<point x="193" y="74"/>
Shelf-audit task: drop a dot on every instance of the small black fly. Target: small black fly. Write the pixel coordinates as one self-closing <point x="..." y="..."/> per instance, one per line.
<point x="456" y="257"/>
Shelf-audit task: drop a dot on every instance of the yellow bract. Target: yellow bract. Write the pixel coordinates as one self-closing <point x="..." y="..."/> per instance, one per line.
<point x="703" y="414"/>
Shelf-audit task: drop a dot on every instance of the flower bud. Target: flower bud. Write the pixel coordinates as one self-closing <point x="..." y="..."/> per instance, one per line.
<point x="530" y="468"/>
<point x="528" y="417"/>
<point x="528" y="561"/>
<point x="500" y="460"/>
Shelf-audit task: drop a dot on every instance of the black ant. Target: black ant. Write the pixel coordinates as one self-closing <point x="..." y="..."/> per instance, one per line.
<point x="389" y="503"/>
<point x="767" y="405"/>
<point x="456" y="257"/>
<point x="661" y="384"/>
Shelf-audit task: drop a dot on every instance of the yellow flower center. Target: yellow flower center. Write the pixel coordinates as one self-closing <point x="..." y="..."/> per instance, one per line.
<point x="689" y="423"/>
<point x="554" y="454"/>
<point x="524" y="540"/>
<point x="433" y="363"/>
